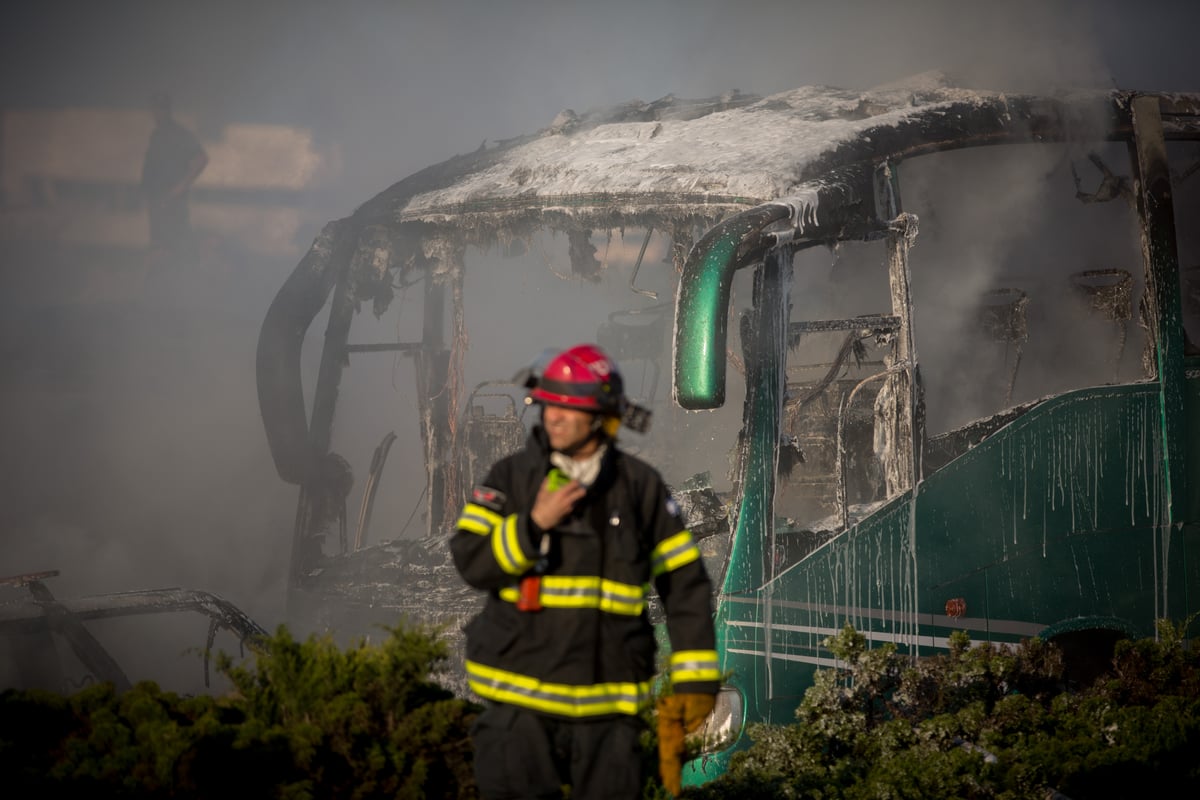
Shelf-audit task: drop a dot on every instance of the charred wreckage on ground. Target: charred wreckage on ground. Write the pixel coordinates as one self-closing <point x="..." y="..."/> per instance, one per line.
<point x="33" y="619"/>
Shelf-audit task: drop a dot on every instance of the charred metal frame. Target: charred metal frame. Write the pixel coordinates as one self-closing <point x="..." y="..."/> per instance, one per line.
<point x="354" y="260"/>
<point x="1149" y="117"/>
<point x="848" y="193"/>
<point x="43" y="615"/>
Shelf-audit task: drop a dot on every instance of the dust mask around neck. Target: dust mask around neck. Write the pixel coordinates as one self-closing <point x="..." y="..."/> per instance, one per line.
<point x="584" y="470"/>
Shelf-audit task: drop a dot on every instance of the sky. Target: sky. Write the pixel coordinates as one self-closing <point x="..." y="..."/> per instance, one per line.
<point x="101" y="488"/>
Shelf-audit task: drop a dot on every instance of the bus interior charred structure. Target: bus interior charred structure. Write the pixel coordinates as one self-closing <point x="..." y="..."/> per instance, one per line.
<point x="896" y="277"/>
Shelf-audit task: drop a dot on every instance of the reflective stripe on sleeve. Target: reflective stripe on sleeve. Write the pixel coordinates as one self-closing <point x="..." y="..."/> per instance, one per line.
<point x="695" y="665"/>
<point x="506" y="547"/>
<point x="477" y="519"/>
<point x="589" y="591"/>
<point x="673" y="552"/>
<point x="557" y="698"/>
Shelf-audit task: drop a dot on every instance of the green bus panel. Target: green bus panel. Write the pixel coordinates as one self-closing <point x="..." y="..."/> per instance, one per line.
<point x="1052" y="523"/>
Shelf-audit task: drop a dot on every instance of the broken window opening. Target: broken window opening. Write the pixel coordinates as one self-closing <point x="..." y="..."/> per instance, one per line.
<point x="1019" y="291"/>
<point x="491" y="419"/>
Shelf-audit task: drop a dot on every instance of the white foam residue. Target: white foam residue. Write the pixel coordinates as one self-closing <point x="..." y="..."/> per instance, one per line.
<point x="755" y="152"/>
<point x="804" y="207"/>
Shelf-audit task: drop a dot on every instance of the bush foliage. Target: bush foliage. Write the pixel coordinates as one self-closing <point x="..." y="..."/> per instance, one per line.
<point x="312" y="720"/>
<point x="306" y="719"/>
<point x="981" y="722"/>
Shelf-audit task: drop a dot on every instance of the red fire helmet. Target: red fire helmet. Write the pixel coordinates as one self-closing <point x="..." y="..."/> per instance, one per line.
<point x="582" y="377"/>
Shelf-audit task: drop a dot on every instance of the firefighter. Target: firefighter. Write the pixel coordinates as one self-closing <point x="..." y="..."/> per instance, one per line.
<point x="566" y="536"/>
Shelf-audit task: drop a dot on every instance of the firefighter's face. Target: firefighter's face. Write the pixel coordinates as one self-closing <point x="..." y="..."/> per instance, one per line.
<point x="569" y="429"/>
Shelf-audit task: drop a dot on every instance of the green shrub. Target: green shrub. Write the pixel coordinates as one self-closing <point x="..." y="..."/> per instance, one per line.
<point x="305" y="719"/>
<point x="310" y="719"/>
<point x="980" y="722"/>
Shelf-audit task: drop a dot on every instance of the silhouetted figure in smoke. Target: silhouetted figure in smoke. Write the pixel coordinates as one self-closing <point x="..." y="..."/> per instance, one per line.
<point x="174" y="159"/>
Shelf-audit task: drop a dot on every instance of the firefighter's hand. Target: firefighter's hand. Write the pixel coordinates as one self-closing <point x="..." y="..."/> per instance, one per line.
<point x="551" y="507"/>
<point x="678" y="715"/>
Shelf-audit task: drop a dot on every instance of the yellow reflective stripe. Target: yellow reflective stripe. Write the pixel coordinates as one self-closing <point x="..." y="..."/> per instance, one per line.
<point x="473" y="525"/>
<point x="557" y="698"/>
<point x="477" y="519"/>
<point x="506" y="547"/>
<point x="589" y="591"/>
<point x="506" y="544"/>
<point x="563" y="591"/>
<point x="672" y="553"/>
<point x="695" y="665"/>
<point x="622" y="598"/>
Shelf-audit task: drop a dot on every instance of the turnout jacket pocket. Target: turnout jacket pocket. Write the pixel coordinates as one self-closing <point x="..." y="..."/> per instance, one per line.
<point x="490" y="635"/>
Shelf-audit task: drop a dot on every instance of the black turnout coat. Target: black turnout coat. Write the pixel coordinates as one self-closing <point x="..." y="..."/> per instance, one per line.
<point x="590" y="650"/>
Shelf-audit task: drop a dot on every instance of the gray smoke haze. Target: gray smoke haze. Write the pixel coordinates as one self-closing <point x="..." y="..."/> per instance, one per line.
<point x="135" y="456"/>
<point x="406" y="84"/>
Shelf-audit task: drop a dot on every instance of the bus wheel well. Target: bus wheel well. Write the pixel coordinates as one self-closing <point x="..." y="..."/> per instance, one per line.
<point x="1087" y="650"/>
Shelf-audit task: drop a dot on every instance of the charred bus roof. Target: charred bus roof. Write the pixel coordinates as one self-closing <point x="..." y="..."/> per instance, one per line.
<point x="676" y="159"/>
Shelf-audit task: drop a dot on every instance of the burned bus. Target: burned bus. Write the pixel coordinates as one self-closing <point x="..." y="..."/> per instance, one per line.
<point x="922" y="359"/>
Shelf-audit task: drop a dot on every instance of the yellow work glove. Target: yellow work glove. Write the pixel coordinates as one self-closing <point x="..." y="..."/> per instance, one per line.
<point x="678" y="715"/>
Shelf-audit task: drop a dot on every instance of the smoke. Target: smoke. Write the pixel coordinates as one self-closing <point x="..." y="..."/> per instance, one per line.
<point x="134" y="454"/>
<point x="1004" y="241"/>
